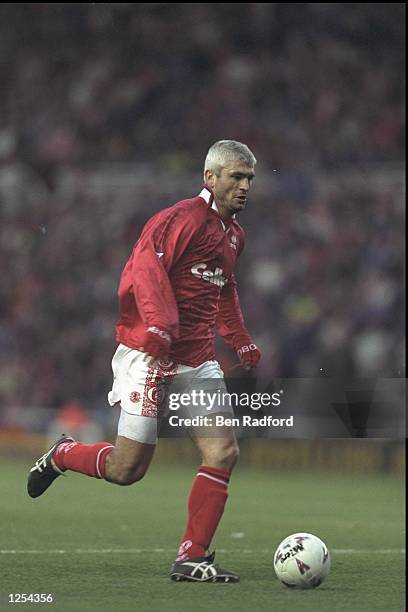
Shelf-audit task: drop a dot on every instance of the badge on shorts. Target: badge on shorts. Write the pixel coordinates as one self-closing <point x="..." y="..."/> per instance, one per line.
<point x="135" y="397"/>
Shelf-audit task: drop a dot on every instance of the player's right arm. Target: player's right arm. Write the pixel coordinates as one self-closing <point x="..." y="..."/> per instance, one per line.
<point x="162" y="242"/>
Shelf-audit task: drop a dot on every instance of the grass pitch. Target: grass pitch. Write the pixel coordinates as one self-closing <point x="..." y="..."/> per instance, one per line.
<point x="94" y="546"/>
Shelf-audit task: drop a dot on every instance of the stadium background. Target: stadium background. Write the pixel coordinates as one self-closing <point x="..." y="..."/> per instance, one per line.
<point x="106" y="113"/>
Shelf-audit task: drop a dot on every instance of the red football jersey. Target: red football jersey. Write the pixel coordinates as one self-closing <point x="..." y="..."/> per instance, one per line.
<point x="179" y="278"/>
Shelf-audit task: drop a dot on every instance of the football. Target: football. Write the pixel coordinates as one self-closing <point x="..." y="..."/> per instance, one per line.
<point x="302" y="561"/>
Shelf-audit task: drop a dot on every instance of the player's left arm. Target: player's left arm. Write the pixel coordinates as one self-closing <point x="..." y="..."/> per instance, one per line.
<point x="231" y="327"/>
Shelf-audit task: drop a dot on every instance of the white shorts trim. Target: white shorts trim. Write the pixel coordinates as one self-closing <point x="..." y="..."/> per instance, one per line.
<point x="139" y="428"/>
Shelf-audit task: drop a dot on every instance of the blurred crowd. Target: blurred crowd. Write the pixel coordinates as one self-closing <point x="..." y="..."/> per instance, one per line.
<point x="106" y="114"/>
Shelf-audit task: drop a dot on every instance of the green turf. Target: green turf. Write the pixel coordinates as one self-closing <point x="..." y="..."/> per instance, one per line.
<point x="78" y="514"/>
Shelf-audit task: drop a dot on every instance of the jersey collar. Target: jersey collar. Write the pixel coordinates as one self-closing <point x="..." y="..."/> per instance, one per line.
<point x="208" y="197"/>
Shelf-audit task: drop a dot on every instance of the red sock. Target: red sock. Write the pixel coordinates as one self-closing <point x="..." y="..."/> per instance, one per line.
<point x="205" y="509"/>
<point x="88" y="459"/>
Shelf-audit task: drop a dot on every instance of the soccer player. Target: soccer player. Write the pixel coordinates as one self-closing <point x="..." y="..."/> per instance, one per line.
<point x="177" y="287"/>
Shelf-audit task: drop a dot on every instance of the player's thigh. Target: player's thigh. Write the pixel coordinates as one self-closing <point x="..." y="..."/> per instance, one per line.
<point x="137" y="386"/>
<point x="216" y="443"/>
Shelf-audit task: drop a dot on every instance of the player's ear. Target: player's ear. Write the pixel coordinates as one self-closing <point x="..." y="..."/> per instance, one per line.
<point x="209" y="178"/>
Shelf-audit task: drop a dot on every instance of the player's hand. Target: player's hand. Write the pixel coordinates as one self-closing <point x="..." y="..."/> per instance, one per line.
<point x="248" y="353"/>
<point x="156" y="342"/>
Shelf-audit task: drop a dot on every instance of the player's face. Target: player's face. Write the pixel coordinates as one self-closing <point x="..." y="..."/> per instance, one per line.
<point x="231" y="186"/>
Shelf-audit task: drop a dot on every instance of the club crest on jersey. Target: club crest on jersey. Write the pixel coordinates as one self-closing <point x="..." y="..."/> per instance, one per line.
<point x="216" y="277"/>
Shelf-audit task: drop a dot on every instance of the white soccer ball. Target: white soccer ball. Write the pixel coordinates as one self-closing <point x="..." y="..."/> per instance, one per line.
<point x="302" y="561"/>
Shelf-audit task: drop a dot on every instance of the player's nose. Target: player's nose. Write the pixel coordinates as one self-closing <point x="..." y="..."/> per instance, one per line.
<point x="244" y="185"/>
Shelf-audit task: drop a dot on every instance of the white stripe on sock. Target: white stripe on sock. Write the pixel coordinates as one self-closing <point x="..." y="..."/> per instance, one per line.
<point x="213" y="478"/>
<point x="98" y="458"/>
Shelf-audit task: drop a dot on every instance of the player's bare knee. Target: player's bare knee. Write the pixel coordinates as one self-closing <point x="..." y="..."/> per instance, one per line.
<point x="223" y="456"/>
<point x="126" y="475"/>
<point x="231" y="455"/>
<point x="130" y="477"/>
<point x="138" y="473"/>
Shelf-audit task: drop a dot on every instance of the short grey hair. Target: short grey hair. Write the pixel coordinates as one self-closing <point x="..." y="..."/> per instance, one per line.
<point x="224" y="151"/>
